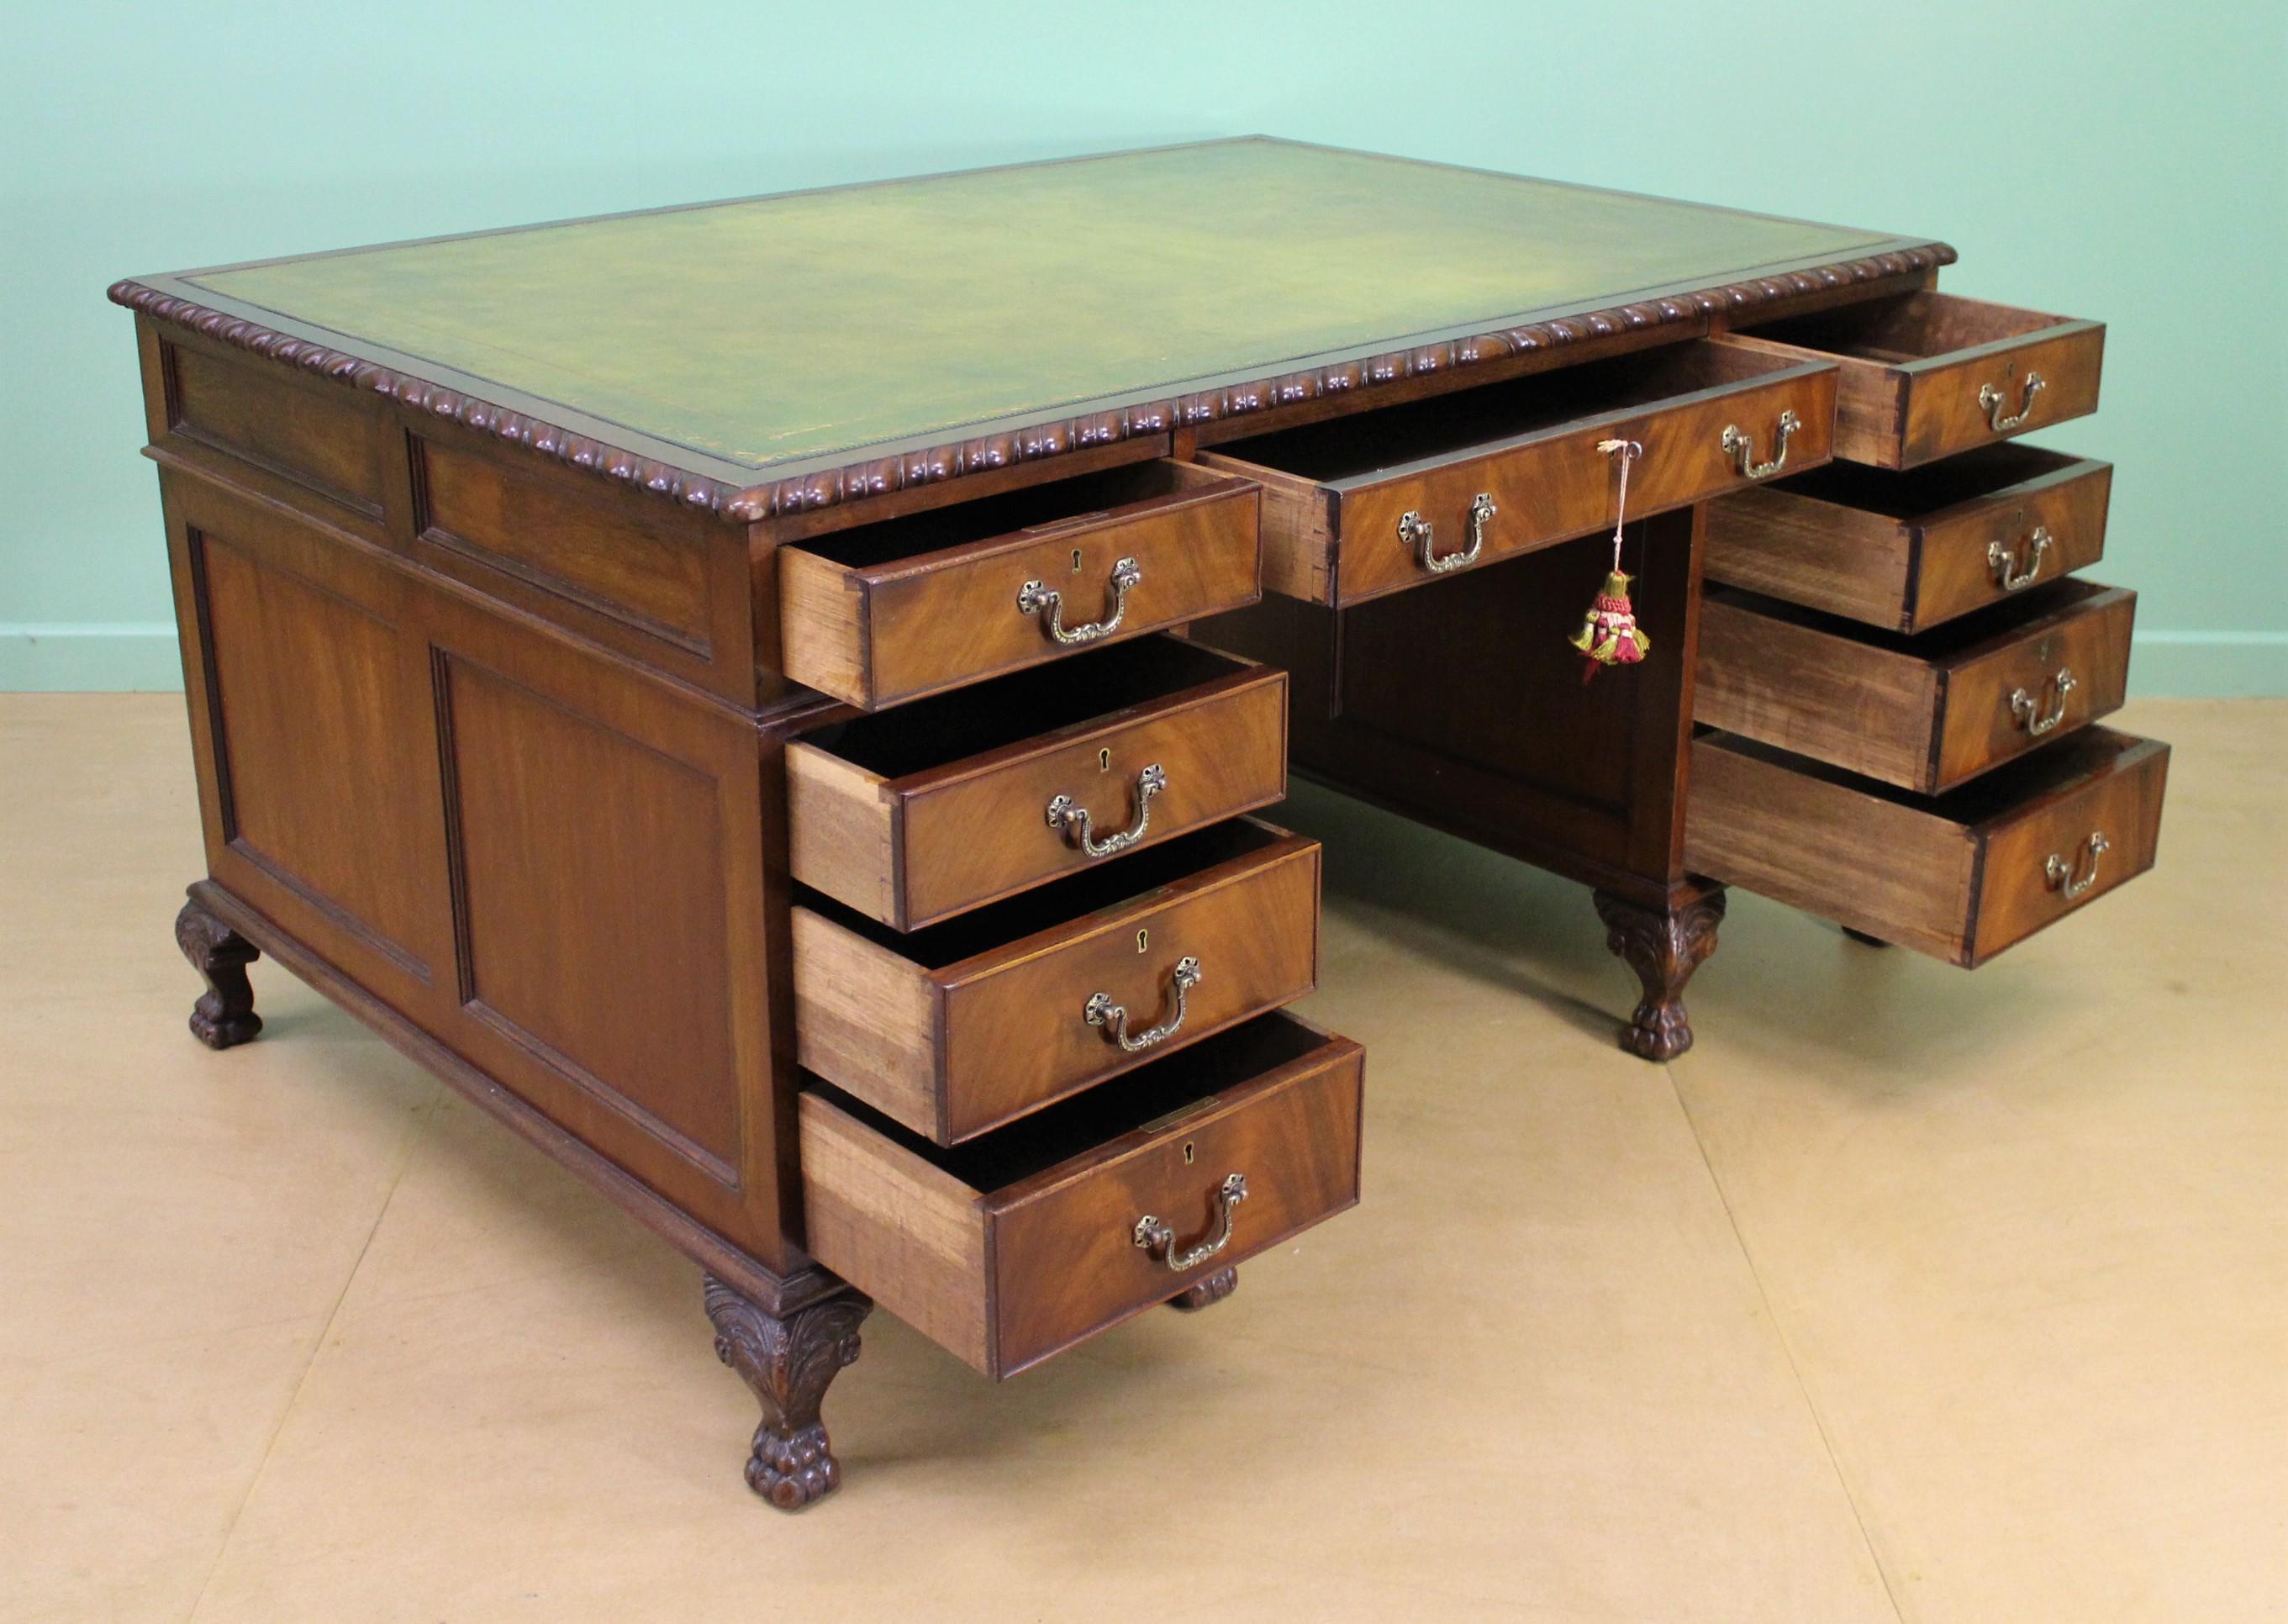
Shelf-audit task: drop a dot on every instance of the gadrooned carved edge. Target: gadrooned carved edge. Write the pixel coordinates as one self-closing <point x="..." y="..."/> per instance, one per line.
<point x="880" y="476"/>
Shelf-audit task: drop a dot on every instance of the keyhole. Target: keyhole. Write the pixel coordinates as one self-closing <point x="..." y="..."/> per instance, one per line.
<point x="1076" y="561"/>
<point x="1104" y="760"/>
<point x="1143" y="939"/>
<point x="1188" y="1153"/>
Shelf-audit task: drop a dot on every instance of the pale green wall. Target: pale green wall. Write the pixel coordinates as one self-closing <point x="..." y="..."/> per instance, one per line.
<point x="2098" y="159"/>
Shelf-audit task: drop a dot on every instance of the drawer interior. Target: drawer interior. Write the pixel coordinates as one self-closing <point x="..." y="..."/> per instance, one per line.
<point x="1034" y="508"/>
<point x="1010" y="710"/>
<point x="1908" y="327"/>
<point x="1166" y="1088"/>
<point x="1968" y="476"/>
<point x="1941" y="644"/>
<point x="1445" y="425"/>
<point x="2014" y="788"/>
<point x="1059" y="902"/>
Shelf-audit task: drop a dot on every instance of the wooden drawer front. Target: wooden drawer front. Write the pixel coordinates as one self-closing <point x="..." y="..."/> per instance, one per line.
<point x="1925" y="713"/>
<point x="1960" y="876"/>
<point x="1926" y="375"/>
<point x="916" y="814"/>
<point x="1908" y="551"/>
<point x="1336" y="492"/>
<point x="888" y="612"/>
<point x="1023" y="1243"/>
<point x="961" y="1027"/>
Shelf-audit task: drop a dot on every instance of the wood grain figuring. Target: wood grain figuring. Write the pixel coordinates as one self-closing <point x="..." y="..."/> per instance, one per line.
<point x="910" y="1235"/>
<point x="1910" y="550"/>
<point x="842" y="831"/>
<point x="309" y="434"/>
<point x="1023" y="1245"/>
<point x="328" y="780"/>
<point x="1959" y="877"/>
<point x="953" y="828"/>
<point x="1531" y="446"/>
<point x="1912" y="368"/>
<point x="648" y="573"/>
<point x="955" y="1031"/>
<point x="1925" y="713"/>
<point x="875" y="630"/>
<point x="594" y="920"/>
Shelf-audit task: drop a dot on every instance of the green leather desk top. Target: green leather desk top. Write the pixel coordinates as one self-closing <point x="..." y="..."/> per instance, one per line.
<point x="772" y="335"/>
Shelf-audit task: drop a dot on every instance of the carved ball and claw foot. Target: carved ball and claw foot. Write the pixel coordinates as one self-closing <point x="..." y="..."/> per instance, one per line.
<point x="1206" y="1292"/>
<point x="788" y="1362"/>
<point x="224" y="1015"/>
<point x="1664" y="946"/>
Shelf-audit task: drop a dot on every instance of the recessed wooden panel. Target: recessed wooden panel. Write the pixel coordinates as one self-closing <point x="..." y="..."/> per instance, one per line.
<point x="593" y="910"/>
<point x="320" y="438"/>
<point x="635" y="565"/>
<point x="320" y="737"/>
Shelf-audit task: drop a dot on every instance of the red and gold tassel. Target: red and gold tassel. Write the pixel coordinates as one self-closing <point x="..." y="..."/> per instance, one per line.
<point x="1608" y="634"/>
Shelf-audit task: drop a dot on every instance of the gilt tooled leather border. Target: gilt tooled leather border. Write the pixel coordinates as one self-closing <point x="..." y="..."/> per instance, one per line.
<point x="878" y="476"/>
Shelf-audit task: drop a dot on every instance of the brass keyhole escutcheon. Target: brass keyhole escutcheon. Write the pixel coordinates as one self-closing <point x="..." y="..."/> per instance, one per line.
<point x="1143" y="941"/>
<point x="1189" y="1152"/>
<point x="1104" y="760"/>
<point x="1076" y="561"/>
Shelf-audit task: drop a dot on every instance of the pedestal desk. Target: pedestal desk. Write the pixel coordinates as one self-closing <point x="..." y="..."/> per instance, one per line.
<point x="773" y="699"/>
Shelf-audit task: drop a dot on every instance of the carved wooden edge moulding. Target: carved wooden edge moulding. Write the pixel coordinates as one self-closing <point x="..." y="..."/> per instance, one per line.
<point x="880" y="476"/>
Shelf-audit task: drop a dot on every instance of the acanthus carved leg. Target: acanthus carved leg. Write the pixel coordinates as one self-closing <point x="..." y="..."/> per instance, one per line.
<point x="224" y="1014"/>
<point x="1664" y="946"/>
<point x="1206" y="1292"/>
<point x="788" y="1362"/>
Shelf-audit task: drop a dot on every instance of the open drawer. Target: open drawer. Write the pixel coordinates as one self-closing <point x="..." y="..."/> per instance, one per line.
<point x="887" y="612"/>
<point x="915" y="814"/>
<point x="1021" y="1244"/>
<point x="1925" y="712"/>
<point x="962" y="1027"/>
<point x="1960" y="876"/>
<point x="1357" y="506"/>
<point x="1908" y="551"/>
<point x="1925" y="375"/>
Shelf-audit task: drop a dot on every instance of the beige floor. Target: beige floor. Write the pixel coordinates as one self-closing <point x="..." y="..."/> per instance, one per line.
<point x="1907" y="1294"/>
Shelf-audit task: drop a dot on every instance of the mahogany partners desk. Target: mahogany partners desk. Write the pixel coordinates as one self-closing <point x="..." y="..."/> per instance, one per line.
<point x="769" y="697"/>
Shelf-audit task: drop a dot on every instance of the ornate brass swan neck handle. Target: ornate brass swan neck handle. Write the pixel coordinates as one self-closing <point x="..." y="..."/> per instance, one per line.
<point x="1415" y="531"/>
<point x="1992" y="400"/>
<point x="2069" y="879"/>
<point x="1101" y="1011"/>
<point x="1740" y="446"/>
<point x="1158" y="1240"/>
<point x="1068" y="816"/>
<point x="1039" y="598"/>
<point x="2028" y="713"/>
<point x="2007" y="575"/>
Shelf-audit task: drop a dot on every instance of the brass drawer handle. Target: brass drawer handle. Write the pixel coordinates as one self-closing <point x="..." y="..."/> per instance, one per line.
<point x="1991" y="398"/>
<point x="2065" y="878"/>
<point x="1071" y="817"/>
<point x="1158" y="1240"/>
<point x="1101" y="1011"/>
<point x="1741" y="447"/>
<point x="2007" y="575"/>
<point x="1414" y="531"/>
<point x="1035" y="596"/>
<point x="2030" y="714"/>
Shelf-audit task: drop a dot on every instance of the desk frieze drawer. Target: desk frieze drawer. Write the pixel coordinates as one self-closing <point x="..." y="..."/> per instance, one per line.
<point x="1925" y="712"/>
<point x="960" y="1028"/>
<point x="1019" y="1245"/>
<point x="1357" y="506"/>
<point x="888" y="612"/>
<point x="1926" y="375"/>
<point x="1960" y="876"/>
<point x="915" y="814"/>
<point x="1910" y="551"/>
